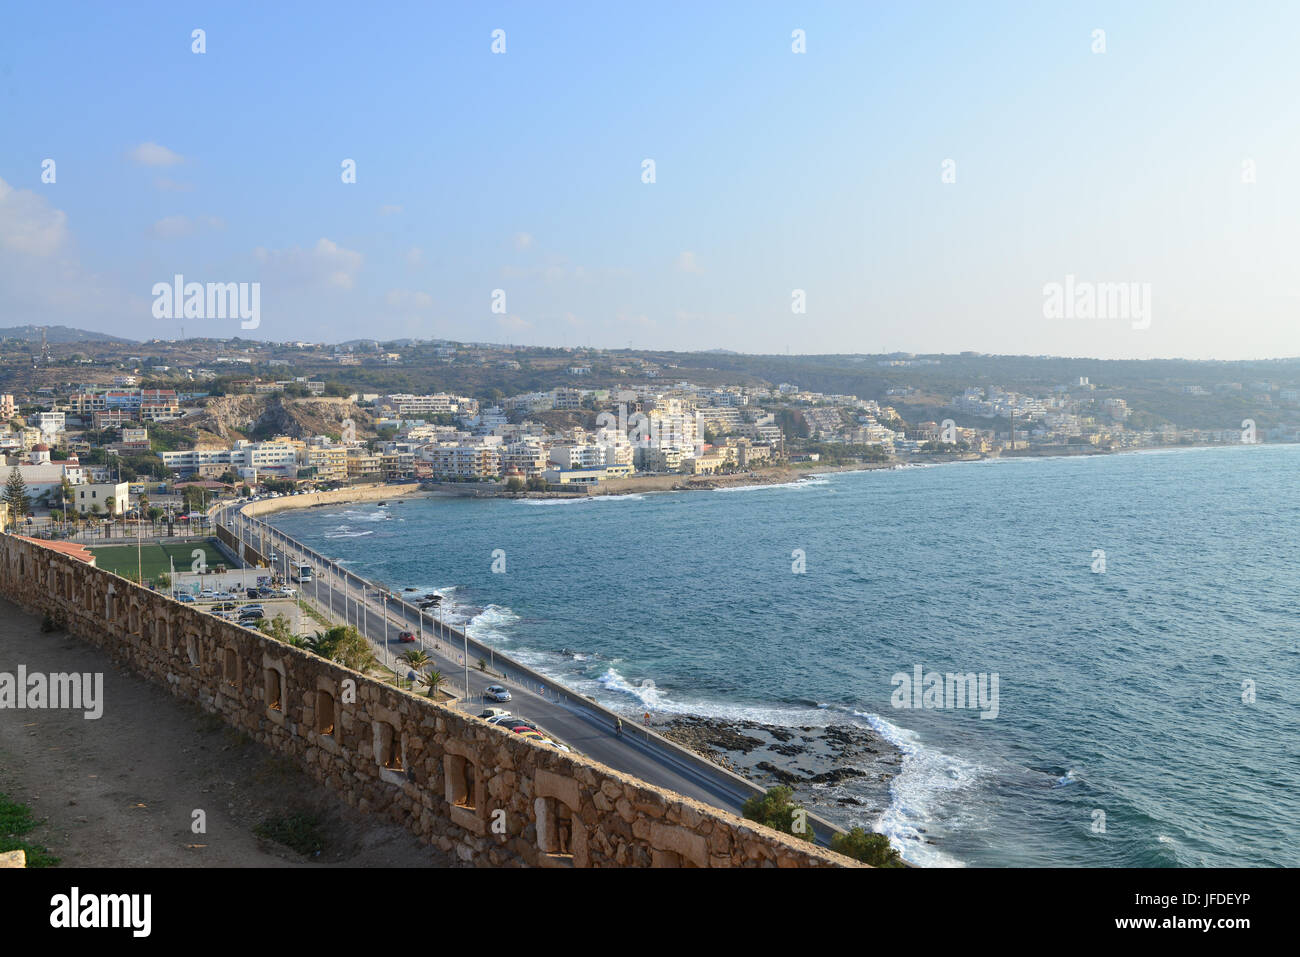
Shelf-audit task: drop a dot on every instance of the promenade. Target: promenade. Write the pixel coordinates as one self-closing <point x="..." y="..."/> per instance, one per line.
<point x="569" y="717"/>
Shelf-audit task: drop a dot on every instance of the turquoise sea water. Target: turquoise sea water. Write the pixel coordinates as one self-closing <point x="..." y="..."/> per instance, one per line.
<point x="1119" y="692"/>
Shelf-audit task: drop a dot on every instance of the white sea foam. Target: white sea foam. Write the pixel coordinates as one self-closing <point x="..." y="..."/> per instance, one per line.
<point x="802" y="483"/>
<point x="927" y="778"/>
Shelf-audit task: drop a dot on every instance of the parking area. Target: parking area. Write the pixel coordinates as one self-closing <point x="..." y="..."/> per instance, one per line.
<point x="232" y="609"/>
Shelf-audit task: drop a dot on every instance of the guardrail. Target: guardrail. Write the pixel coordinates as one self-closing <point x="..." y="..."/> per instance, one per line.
<point x="524" y="677"/>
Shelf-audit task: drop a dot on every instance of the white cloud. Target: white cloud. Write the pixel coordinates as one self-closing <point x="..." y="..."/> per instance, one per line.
<point x="29" y="224"/>
<point x="152" y="154"/>
<point x="686" y="263"/>
<point x="172" y="227"/>
<point x="414" y="255"/>
<point x="523" y="240"/>
<point x="326" y="263"/>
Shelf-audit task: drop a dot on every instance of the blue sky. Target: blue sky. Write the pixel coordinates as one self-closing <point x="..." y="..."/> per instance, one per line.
<point x="775" y="171"/>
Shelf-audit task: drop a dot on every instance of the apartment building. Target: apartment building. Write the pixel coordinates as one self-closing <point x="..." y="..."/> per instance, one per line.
<point x="526" y="458"/>
<point x="279" y="459"/>
<point x="330" y="462"/>
<point x="464" y="461"/>
<point x="416" y="405"/>
<point x="395" y="466"/>
<point x="363" y="464"/>
<point x="100" y="494"/>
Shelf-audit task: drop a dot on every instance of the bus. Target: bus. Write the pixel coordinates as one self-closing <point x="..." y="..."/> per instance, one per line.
<point x="301" y="573"/>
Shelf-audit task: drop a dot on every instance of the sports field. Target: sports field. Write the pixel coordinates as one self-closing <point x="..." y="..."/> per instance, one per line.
<point x="155" y="559"/>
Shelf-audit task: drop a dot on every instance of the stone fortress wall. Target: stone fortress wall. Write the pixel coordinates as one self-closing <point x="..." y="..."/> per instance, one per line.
<point x="487" y="795"/>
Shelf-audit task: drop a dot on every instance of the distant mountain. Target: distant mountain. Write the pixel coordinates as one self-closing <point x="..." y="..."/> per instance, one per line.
<point x="58" y="335"/>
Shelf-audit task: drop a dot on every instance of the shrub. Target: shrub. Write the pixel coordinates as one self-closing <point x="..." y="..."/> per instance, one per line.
<point x="299" y="832"/>
<point x="873" y="849"/>
<point x="15" y="821"/>
<point x="777" y="811"/>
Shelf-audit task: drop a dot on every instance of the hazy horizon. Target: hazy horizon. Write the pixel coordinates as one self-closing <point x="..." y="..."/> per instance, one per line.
<point x="919" y="178"/>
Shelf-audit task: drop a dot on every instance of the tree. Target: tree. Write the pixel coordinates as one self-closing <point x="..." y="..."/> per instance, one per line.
<point x="777" y="811"/>
<point x="277" y="628"/>
<point x="344" y="644"/>
<point x="15" y="495"/>
<point x="432" y="679"/>
<point x="514" y="484"/>
<point x="873" y="849"/>
<point x="416" y="658"/>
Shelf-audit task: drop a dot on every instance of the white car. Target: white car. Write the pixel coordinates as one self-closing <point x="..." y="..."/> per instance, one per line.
<point x="496" y="693"/>
<point x="286" y="592"/>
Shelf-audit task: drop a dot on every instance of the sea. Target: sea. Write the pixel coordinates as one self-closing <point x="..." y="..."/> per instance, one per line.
<point x="1124" y="625"/>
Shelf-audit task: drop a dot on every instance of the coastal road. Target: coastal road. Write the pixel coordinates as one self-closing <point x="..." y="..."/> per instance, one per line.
<point x="559" y="712"/>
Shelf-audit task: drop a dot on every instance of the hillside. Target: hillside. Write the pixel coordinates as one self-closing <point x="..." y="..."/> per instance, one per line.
<point x="227" y="418"/>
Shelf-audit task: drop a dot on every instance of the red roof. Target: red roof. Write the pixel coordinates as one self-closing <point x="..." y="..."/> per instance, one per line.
<point x="67" y="548"/>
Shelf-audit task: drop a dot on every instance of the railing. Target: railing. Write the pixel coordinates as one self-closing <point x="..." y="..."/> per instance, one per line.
<point x="521" y="676"/>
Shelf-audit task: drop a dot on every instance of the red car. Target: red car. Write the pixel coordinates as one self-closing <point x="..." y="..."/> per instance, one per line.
<point x="406" y="636"/>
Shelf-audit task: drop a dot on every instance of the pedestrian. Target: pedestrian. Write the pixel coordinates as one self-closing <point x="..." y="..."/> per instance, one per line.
<point x="647" y="719"/>
<point x="618" y="727"/>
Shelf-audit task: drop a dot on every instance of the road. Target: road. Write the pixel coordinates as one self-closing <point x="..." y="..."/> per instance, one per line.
<point x="562" y="713"/>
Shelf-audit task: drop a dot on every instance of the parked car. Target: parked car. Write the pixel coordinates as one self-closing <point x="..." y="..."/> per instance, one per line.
<point x="496" y="693"/>
<point x="248" y="609"/>
<point x="286" y="592"/>
<point x="253" y="592"/>
<point x="185" y="596"/>
<point x="494" y="713"/>
<point x="406" y="637"/>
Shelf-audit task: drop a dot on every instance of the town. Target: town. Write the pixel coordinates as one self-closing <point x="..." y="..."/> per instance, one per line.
<point x="139" y="424"/>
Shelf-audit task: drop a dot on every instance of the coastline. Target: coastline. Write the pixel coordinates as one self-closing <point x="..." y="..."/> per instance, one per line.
<point x="772" y="476"/>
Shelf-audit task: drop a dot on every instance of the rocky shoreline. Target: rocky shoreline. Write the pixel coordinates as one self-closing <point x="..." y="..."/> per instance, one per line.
<point x="842" y="772"/>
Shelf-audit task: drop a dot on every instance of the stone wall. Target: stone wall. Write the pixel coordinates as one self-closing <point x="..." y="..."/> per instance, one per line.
<point x="482" y="793"/>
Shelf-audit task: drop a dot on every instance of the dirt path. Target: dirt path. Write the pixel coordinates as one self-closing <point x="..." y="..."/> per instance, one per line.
<point x="120" y="790"/>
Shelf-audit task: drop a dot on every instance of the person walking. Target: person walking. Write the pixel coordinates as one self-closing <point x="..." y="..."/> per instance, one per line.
<point x="618" y="727"/>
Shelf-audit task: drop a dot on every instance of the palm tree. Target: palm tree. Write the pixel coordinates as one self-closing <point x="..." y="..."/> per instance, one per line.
<point x="416" y="658"/>
<point x="432" y="679"/>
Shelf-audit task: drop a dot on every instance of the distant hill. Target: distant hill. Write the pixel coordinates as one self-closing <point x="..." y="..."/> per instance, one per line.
<point x="58" y="335"/>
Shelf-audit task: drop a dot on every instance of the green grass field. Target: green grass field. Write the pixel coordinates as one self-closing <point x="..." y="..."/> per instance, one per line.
<point x="154" y="559"/>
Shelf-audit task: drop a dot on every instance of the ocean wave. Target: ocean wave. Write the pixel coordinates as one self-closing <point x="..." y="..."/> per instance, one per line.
<point x="348" y="533"/>
<point x="926" y="779"/>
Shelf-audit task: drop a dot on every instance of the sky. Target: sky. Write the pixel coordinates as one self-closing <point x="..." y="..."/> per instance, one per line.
<point x="923" y="177"/>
